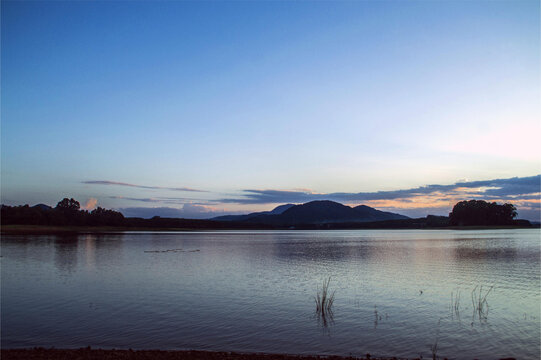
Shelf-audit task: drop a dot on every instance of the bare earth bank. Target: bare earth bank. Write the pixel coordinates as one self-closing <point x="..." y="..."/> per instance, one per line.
<point x="95" y="354"/>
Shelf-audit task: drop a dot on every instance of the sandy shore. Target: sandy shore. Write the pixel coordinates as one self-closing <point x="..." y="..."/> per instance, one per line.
<point x="95" y="354"/>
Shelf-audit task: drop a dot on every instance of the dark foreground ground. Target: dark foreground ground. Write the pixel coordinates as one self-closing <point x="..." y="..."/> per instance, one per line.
<point x="95" y="354"/>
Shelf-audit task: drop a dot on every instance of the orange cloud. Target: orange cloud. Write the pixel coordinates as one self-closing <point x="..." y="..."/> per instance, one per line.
<point x="90" y="204"/>
<point x="415" y="202"/>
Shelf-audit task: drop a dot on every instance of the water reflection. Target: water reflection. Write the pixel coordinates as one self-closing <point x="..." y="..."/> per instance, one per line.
<point x="65" y="247"/>
<point x="255" y="292"/>
<point x="389" y="252"/>
<point x="94" y="250"/>
<point x="469" y="253"/>
<point x="90" y="250"/>
<point x="325" y="319"/>
<point x="322" y="251"/>
<point x="107" y="248"/>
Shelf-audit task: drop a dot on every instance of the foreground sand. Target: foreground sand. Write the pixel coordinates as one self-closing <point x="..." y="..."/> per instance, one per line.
<point x="95" y="354"/>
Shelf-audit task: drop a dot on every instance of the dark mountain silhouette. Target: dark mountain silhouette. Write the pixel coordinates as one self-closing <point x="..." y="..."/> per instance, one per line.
<point x="371" y="214"/>
<point x="276" y="211"/>
<point x="280" y="209"/>
<point x="42" y="207"/>
<point x="319" y="212"/>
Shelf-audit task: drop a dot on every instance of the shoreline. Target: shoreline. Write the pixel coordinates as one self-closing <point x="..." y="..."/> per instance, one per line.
<point x="45" y="230"/>
<point x="88" y="353"/>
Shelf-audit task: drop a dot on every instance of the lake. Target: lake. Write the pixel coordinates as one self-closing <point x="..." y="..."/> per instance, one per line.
<point x="397" y="293"/>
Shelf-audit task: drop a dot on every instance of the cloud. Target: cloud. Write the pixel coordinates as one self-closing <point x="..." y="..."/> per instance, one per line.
<point x="188" y="211"/>
<point x="117" y="183"/>
<point x="420" y="211"/>
<point x="434" y="199"/>
<point x="496" y="188"/>
<point x="90" y="204"/>
<point x="165" y="200"/>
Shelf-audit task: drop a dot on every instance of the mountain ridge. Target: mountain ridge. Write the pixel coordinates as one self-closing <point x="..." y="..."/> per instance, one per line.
<point x="314" y="212"/>
<point x="276" y="211"/>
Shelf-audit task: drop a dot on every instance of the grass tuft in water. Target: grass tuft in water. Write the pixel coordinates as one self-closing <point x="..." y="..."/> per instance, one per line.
<point x="434" y="347"/>
<point x="324" y="299"/>
<point x="479" y="301"/>
<point x="455" y="303"/>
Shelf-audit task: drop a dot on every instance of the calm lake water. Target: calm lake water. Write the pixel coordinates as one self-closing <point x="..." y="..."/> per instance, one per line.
<point x="254" y="292"/>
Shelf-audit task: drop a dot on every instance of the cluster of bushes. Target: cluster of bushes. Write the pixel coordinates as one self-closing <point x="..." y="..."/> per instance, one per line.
<point x="66" y="212"/>
<point x="479" y="212"/>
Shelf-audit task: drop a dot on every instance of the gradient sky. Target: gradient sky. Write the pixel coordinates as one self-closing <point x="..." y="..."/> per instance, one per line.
<point x="191" y="108"/>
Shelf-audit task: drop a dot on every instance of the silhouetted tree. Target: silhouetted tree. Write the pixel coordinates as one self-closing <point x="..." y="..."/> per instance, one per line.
<point x="68" y="204"/>
<point x="101" y="216"/>
<point x="480" y="212"/>
<point x="67" y="213"/>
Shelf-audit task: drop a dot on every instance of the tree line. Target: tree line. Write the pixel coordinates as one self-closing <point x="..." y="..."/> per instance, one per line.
<point x="480" y="212"/>
<point x="68" y="212"/>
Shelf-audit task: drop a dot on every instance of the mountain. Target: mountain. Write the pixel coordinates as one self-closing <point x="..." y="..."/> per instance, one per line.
<point x="371" y="214"/>
<point x="315" y="212"/>
<point x="42" y="207"/>
<point x="280" y="209"/>
<point x="276" y="211"/>
<point x="319" y="212"/>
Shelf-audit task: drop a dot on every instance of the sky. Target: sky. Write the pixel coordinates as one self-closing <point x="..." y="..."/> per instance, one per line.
<point x="198" y="109"/>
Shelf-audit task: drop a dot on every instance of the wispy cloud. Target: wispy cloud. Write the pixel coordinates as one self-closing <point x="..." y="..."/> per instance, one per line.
<point x="490" y="189"/>
<point x="166" y="200"/>
<point x="179" y="201"/>
<point x="117" y="183"/>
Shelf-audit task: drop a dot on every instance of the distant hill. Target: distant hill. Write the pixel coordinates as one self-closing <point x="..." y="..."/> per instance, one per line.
<point x="42" y="207"/>
<point x="371" y="214"/>
<point x="315" y="212"/>
<point x="276" y="211"/>
<point x="280" y="209"/>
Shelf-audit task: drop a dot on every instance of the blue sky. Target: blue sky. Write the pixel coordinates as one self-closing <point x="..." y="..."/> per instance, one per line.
<point x="311" y="97"/>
